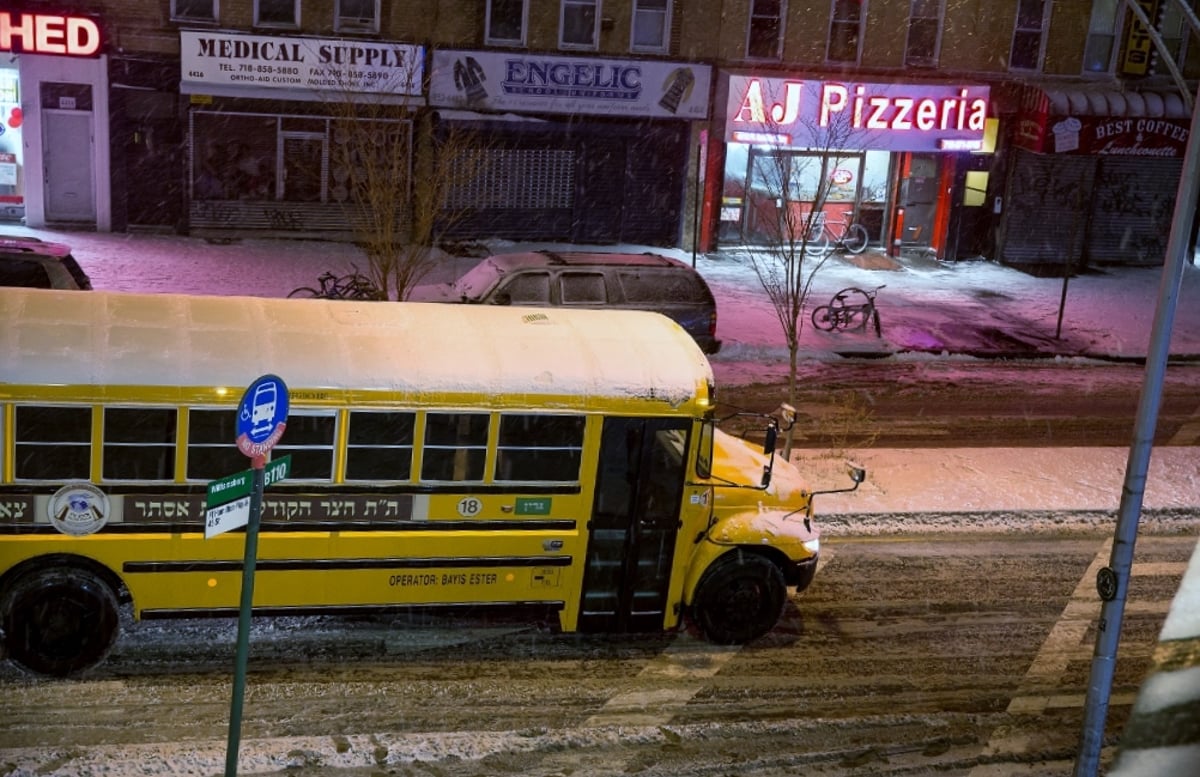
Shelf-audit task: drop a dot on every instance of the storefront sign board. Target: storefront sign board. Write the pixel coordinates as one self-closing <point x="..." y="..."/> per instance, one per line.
<point x="70" y="35"/>
<point x="854" y="115"/>
<point x="1122" y="135"/>
<point x="537" y="83"/>
<point x="294" y="68"/>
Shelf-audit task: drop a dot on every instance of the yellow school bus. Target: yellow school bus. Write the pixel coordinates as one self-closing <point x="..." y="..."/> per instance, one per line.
<point x="441" y="456"/>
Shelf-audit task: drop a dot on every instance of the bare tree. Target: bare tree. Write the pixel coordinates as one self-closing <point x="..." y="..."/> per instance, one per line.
<point x="395" y="175"/>
<point x="786" y="197"/>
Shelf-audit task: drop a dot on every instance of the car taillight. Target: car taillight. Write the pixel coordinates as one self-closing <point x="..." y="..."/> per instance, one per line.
<point x="712" y="323"/>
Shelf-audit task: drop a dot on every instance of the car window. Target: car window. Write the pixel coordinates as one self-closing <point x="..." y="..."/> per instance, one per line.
<point x="582" y="288"/>
<point x="527" y="288"/>
<point x="656" y="286"/>
<point x="475" y="282"/>
<point x="23" y="272"/>
<point x="81" y="278"/>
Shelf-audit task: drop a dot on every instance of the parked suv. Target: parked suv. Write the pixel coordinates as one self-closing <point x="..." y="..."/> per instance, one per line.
<point x="37" y="264"/>
<point x="588" y="280"/>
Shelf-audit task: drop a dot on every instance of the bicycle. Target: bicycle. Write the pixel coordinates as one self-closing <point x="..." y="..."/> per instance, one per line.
<point x="850" y="308"/>
<point x="353" y="285"/>
<point x="823" y="240"/>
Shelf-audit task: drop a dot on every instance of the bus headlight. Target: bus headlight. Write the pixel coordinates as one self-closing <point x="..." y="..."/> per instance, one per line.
<point x="813" y="546"/>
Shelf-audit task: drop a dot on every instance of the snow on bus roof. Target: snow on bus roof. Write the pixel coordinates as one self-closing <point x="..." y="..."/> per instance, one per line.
<point x="116" y="338"/>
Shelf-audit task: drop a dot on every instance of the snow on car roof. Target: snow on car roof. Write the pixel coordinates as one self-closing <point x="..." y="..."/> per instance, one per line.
<point x="20" y="243"/>
<point x="551" y="258"/>
<point x="114" y="338"/>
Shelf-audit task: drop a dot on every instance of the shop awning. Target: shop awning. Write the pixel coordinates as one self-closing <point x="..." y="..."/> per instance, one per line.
<point x="1102" y="121"/>
<point x="1109" y="102"/>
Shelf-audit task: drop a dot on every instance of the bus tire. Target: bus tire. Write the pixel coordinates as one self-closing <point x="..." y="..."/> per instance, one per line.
<point x="739" y="598"/>
<point x="60" y="621"/>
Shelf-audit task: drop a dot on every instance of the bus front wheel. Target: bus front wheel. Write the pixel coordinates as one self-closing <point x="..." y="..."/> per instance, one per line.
<point x="60" y="621"/>
<point x="739" y="599"/>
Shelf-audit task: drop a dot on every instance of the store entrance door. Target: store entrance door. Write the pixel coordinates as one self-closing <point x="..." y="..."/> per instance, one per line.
<point x="67" y="144"/>
<point x="919" y="199"/>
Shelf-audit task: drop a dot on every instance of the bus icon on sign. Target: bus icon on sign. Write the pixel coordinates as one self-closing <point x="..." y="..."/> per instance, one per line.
<point x="262" y="419"/>
<point x="262" y="416"/>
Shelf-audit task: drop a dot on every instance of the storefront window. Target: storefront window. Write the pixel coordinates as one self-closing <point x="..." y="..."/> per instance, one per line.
<point x="11" y="152"/>
<point x="304" y="163"/>
<point x="760" y="179"/>
<point x="234" y="157"/>
<point x="288" y="158"/>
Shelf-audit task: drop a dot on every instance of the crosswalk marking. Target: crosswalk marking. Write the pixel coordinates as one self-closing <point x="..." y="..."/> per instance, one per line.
<point x="1187" y="434"/>
<point x="685" y="658"/>
<point x="1066" y="643"/>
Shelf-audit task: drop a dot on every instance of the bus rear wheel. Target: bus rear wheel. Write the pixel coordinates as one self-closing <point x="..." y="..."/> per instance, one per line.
<point x="739" y="599"/>
<point x="60" y="621"/>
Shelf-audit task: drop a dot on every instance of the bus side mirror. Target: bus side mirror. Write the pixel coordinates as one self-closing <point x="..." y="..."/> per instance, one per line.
<point x="772" y="437"/>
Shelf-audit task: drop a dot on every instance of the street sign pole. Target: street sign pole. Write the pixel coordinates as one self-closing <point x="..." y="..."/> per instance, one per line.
<point x="261" y="419"/>
<point x="243" y="640"/>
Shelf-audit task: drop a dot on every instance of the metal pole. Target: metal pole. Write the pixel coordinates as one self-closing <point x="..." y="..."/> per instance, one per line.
<point x="243" y="642"/>
<point x="1113" y="581"/>
<point x="696" y="198"/>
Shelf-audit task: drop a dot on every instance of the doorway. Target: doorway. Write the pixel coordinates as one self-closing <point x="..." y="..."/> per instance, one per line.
<point x="68" y="152"/>
<point x="919" y="198"/>
<point x="634" y="523"/>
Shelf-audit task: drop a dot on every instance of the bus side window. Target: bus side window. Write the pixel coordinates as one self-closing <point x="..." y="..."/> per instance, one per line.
<point x="139" y="443"/>
<point x="539" y="448"/>
<point x="455" y="446"/>
<point x="309" y="440"/>
<point x="52" y="443"/>
<point x="211" y="453"/>
<point x="380" y="445"/>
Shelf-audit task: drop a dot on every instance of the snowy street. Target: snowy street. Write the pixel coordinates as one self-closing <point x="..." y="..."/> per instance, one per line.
<point x="953" y="655"/>
<point x="1007" y="543"/>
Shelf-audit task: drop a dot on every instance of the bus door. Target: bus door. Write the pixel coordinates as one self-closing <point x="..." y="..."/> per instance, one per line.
<point x="634" y="523"/>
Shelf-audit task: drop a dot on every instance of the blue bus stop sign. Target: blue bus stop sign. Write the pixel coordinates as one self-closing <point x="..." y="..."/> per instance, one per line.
<point x="262" y="416"/>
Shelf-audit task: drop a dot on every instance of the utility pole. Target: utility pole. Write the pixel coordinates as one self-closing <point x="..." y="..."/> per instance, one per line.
<point x="1112" y="582"/>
